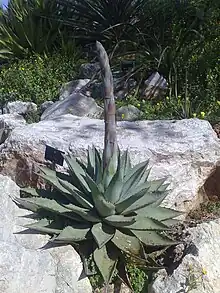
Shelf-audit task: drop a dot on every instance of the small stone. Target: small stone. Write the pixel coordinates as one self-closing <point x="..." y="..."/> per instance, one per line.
<point x="8" y="122"/>
<point x="76" y="104"/>
<point x="45" y="106"/>
<point x="72" y="87"/>
<point x="128" y="113"/>
<point x="19" y="107"/>
<point x="156" y="85"/>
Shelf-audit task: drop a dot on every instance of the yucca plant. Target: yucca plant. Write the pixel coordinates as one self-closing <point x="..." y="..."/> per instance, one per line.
<point x="25" y="30"/>
<point x="104" y="207"/>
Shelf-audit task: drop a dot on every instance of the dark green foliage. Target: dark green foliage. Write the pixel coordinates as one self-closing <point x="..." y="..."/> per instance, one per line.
<point x="180" y="39"/>
<point x="31" y="27"/>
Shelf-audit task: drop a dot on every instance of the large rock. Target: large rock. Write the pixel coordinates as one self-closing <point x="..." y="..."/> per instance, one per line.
<point x="24" y="265"/>
<point x="185" y="151"/>
<point x="76" y="104"/>
<point x="199" y="269"/>
<point x="19" y="107"/>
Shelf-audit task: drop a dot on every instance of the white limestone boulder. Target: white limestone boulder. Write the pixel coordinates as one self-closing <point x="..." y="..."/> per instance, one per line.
<point x="197" y="273"/>
<point x="185" y="151"/>
<point x="24" y="265"/>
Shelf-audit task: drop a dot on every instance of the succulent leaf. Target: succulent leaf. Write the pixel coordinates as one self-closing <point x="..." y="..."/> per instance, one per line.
<point x="159" y="213"/>
<point x="123" y="274"/>
<point x="45" y="226"/>
<point x="158" y="185"/>
<point x="36" y="204"/>
<point x="134" y="176"/>
<point x="145" y="223"/>
<point x="127" y="243"/>
<point x="163" y="187"/>
<point x="135" y="192"/>
<point x="29" y="190"/>
<point x="152" y="238"/>
<point x="105" y="263"/>
<point x="72" y="234"/>
<point x="147" y="199"/>
<point x="88" y="215"/>
<point x="91" y="164"/>
<point x="98" y="166"/>
<point x="79" y="196"/>
<point x="111" y="168"/>
<point x="114" y="189"/>
<point x="103" y="207"/>
<point x="102" y="233"/>
<point x="26" y="204"/>
<point x="125" y="163"/>
<point x="142" y="197"/>
<point x="170" y="222"/>
<point x="51" y="177"/>
<point x="120" y="221"/>
<point x="77" y="173"/>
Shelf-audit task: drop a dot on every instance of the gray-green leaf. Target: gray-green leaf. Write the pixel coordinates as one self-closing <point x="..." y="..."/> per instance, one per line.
<point x="45" y="226"/>
<point x="127" y="243"/>
<point x="102" y="233"/>
<point x="105" y="263"/>
<point x="72" y="234"/>
<point x="103" y="207"/>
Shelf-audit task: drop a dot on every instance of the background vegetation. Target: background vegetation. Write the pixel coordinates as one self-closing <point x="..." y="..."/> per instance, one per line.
<point x="180" y="39"/>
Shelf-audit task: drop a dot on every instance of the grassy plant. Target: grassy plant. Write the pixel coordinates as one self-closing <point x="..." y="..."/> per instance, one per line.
<point x="37" y="78"/>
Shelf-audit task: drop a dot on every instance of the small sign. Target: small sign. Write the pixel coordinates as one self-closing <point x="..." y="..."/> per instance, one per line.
<point x="54" y="155"/>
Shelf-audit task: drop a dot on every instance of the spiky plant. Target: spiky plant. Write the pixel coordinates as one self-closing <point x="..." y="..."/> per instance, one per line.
<point x="104" y="207"/>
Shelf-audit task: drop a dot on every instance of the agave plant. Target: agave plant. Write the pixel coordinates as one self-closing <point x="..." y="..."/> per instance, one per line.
<point x="105" y="207"/>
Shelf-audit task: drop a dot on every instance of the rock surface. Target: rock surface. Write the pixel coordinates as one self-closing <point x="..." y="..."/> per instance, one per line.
<point x="45" y="106"/>
<point x="71" y="87"/>
<point x="156" y="85"/>
<point x="19" y="107"/>
<point x="199" y="271"/>
<point x="25" y="266"/>
<point x="76" y="104"/>
<point x="8" y="122"/>
<point x="185" y="151"/>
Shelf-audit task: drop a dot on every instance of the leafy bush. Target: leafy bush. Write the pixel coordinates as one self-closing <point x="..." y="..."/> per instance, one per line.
<point x="180" y="39"/>
<point x="28" y="27"/>
<point x="37" y="78"/>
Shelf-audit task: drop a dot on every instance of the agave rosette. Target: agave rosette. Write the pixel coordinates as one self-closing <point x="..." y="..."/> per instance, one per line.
<point x="107" y="212"/>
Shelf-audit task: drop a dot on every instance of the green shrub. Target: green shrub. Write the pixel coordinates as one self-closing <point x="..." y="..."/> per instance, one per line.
<point x="27" y="27"/>
<point x="36" y="78"/>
